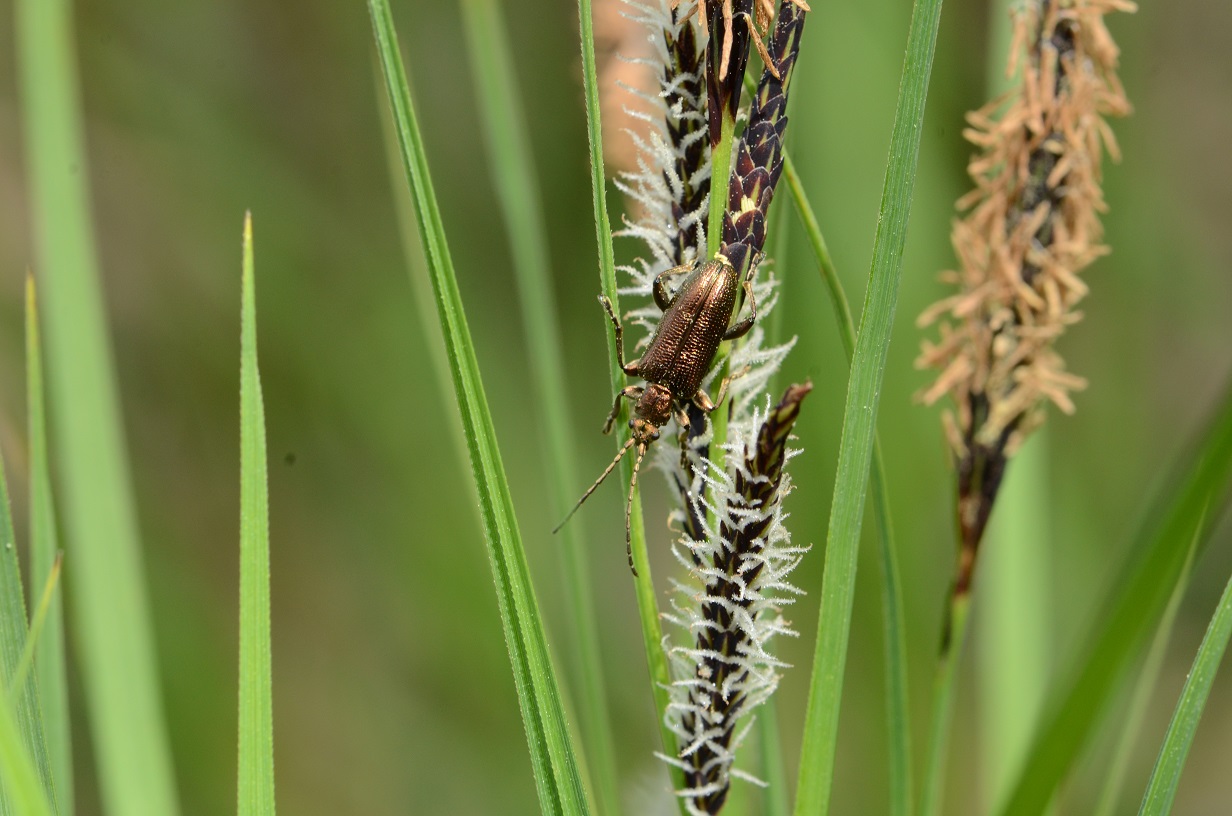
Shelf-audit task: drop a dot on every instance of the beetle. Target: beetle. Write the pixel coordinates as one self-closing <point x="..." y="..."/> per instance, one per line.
<point x="681" y="351"/>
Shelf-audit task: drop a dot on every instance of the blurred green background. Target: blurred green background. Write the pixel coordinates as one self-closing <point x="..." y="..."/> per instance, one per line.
<point x="392" y="687"/>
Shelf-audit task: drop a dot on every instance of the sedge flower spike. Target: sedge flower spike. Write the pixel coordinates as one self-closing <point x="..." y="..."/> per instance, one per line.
<point x="1031" y="226"/>
<point x="732" y="539"/>
<point x="739" y="556"/>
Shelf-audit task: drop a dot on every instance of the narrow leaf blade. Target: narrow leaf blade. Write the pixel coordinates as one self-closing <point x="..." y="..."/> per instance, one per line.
<point x="898" y="721"/>
<point x="859" y="419"/>
<point x="1144" y="689"/>
<point x="50" y="657"/>
<point x="114" y="633"/>
<point x="557" y="776"/>
<point x="1167" y="774"/>
<point x="21" y="701"/>
<point x="511" y="163"/>
<point x="19" y="780"/>
<point x="256" y="709"/>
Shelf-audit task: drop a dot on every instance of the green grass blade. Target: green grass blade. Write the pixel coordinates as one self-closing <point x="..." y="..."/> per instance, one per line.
<point x="1013" y="651"/>
<point x="24" y="706"/>
<point x="647" y="606"/>
<point x="256" y="708"/>
<point x="1142" y="593"/>
<point x="898" y="718"/>
<point x="598" y="183"/>
<point x="37" y="621"/>
<point x="897" y="715"/>
<point x="22" y="789"/>
<point x="944" y="682"/>
<point x="557" y="776"/>
<point x="859" y="419"/>
<point x="511" y="163"/>
<point x="110" y="610"/>
<point x="774" y="797"/>
<point x="49" y="666"/>
<point x="1144" y="689"/>
<point x="1167" y="774"/>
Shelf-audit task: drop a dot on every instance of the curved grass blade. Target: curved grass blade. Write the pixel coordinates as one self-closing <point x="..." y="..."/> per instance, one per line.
<point x="1143" y="592"/>
<point x="49" y="665"/>
<point x="23" y="705"/>
<point x="557" y="777"/>
<point x="1167" y="774"/>
<point x="898" y="720"/>
<point x="859" y="419"/>
<point x="256" y="717"/>
<point x="23" y="791"/>
<point x="110" y="608"/>
<point x="647" y="605"/>
<point x="37" y="621"/>
<point x="897" y="714"/>
<point x="511" y="164"/>
<point x="1144" y="689"/>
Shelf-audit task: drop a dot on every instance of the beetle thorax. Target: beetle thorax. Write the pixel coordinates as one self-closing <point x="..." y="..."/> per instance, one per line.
<point x="653" y="410"/>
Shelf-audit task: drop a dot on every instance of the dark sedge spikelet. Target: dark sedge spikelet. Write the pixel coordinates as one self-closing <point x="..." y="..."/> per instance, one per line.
<point x="742" y="571"/>
<point x="730" y="24"/>
<point x="759" y="156"/>
<point x="672" y="182"/>
<point x="684" y="94"/>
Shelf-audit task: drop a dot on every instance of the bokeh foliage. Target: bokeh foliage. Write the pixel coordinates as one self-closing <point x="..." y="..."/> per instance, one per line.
<point x="392" y="682"/>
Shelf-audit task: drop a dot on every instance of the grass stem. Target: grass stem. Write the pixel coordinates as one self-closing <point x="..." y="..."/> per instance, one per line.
<point x="943" y="704"/>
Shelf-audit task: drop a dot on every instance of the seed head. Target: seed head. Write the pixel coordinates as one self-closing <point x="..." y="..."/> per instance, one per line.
<point x="1031" y="225"/>
<point x="738" y="555"/>
<point x="733" y="542"/>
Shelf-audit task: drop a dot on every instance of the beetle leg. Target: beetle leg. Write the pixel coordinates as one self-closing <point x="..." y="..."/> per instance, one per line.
<point x="742" y="328"/>
<point x="702" y="399"/>
<point x="661" y="297"/>
<point x="632" y="392"/>
<point x="682" y="419"/>
<point x="628" y="368"/>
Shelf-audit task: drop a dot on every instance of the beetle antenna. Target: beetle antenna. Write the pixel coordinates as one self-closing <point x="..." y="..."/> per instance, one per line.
<point x="641" y="451"/>
<point x="598" y="482"/>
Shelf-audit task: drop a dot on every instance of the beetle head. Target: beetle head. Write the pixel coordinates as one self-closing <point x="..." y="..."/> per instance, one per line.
<point x="653" y="411"/>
